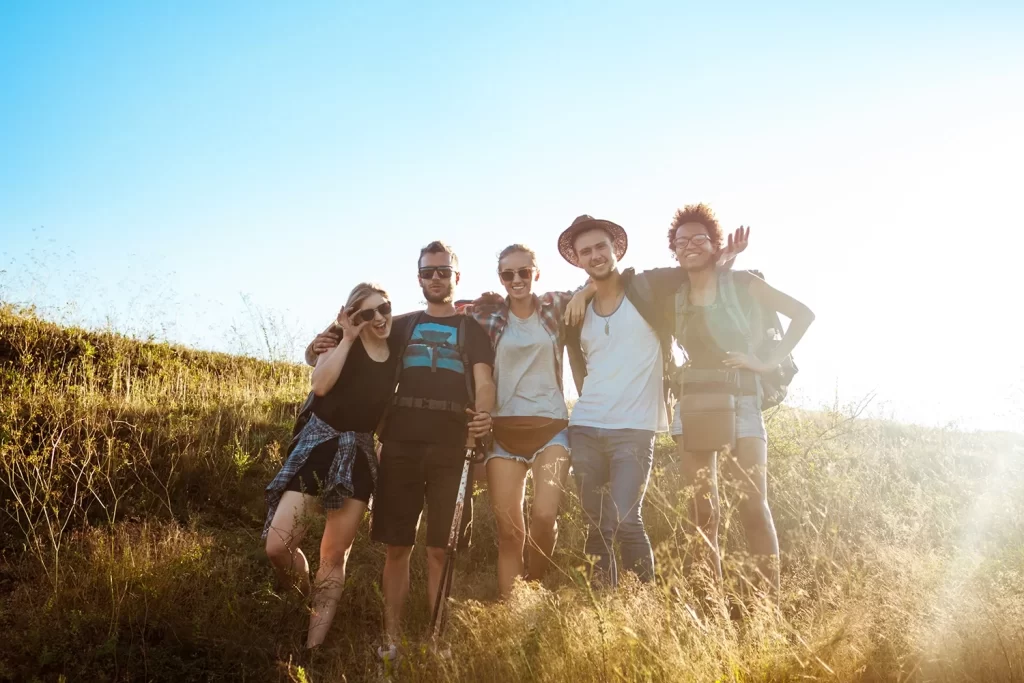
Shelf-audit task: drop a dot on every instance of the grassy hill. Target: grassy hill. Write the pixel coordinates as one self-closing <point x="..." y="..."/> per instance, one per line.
<point x="131" y="479"/>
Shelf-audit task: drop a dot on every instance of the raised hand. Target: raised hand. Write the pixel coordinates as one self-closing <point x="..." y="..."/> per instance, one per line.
<point x="736" y="243"/>
<point x="350" y="327"/>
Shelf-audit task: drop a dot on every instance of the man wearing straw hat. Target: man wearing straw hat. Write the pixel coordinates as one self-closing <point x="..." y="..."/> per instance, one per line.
<point x="621" y="360"/>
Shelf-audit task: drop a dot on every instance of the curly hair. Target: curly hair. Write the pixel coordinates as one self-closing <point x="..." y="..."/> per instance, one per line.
<point x="696" y="213"/>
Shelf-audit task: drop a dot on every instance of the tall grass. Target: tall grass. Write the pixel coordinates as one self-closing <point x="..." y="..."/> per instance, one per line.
<point x="131" y="477"/>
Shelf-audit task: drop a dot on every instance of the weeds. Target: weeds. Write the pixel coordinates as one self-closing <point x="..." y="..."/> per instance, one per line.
<point x="131" y="480"/>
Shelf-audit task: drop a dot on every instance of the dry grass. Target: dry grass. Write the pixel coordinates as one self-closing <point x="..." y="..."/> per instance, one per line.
<point x="131" y="479"/>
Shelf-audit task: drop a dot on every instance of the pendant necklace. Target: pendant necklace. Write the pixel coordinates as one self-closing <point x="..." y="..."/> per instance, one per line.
<point x="607" y="318"/>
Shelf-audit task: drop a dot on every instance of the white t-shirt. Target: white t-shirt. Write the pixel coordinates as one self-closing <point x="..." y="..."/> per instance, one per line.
<point x="524" y="370"/>
<point x="624" y="384"/>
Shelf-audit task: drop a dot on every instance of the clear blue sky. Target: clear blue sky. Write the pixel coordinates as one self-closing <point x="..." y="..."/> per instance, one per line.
<point x="158" y="160"/>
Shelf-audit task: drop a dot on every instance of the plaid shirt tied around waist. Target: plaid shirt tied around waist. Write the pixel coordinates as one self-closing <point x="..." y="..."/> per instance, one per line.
<point x="338" y="487"/>
<point x="550" y="309"/>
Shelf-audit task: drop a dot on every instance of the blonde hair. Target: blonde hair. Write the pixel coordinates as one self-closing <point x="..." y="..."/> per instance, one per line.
<point x="362" y="292"/>
<point x="515" y="249"/>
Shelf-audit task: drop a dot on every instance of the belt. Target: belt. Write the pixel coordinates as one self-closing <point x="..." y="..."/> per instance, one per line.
<point x="744" y="382"/>
<point x="430" y="404"/>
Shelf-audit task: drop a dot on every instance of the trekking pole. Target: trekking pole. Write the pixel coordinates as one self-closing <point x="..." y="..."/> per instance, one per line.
<point x="439" y="618"/>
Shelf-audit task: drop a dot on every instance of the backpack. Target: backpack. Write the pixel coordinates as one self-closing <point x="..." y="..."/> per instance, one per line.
<point x="759" y="325"/>
<point x="431" y="404"/>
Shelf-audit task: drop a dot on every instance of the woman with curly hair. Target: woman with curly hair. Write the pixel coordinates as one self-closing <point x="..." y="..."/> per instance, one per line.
<point x="721" y="319"/>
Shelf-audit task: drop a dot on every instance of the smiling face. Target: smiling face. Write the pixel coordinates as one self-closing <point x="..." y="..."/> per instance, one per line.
<point x="379" y="326"/>
<point x="693" y="246"/>
<point x="438" y="277"/>
<point x="517" y="273"/>
<point x="595" y="253"/>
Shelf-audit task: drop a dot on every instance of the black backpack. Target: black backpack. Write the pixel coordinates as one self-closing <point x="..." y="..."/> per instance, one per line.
<point x="775" y="386"/>
<point x="467" y="369"/>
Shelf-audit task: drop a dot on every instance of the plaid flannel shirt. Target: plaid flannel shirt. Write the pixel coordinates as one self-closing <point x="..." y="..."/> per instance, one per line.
<point x="551" y="309"/>
<point x="338" y="486"/>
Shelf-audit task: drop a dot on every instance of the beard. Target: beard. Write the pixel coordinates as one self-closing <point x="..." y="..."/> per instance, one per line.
<point x="443" y="297"/>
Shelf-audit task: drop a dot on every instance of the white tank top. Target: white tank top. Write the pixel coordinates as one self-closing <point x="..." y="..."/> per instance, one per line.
<point x="624" y="388"/>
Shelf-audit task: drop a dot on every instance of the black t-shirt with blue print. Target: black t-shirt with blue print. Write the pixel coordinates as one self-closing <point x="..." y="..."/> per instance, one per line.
<point x="430" y="372"/>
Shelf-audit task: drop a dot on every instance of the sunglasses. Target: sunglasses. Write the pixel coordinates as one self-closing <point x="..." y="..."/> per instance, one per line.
<point x="444" y="272"/>
<point x="366" y="315"/>
<point x="510" y="275"/>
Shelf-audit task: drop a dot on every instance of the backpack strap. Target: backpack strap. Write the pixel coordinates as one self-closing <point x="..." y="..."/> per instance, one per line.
<point x="467" y="368"/>
<point x="730" y="297"/>
<point x="405" y="344"/>
<point x="399" y="366"/>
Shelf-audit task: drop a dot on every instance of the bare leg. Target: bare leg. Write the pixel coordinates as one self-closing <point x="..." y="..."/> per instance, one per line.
<point x="435" y="566"/>
<point x="395" y="588"/>
<point x="700" y="473"/>
<point x="288" y="528"/>
<point x="340" y="531"/>
<point x="550" y="471"/>
<point x="506" y="484"/>
<point x="748" y="471"/>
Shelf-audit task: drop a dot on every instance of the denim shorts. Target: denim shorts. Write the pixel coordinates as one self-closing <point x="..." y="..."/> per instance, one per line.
<point x="559" y="439"/>
<point x="749" y="421"/>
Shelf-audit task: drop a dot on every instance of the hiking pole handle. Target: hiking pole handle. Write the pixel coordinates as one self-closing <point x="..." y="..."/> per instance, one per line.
<point x="473" y="453"/>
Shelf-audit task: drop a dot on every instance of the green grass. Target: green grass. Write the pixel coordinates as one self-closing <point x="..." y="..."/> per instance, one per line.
<point x="131" y="478"/>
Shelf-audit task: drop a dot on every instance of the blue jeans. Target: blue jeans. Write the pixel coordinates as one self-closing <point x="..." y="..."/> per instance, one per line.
<point x="612" y="468"/>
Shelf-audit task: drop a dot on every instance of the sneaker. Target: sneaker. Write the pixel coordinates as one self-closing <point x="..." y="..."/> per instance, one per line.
<point x="388" y="654"/>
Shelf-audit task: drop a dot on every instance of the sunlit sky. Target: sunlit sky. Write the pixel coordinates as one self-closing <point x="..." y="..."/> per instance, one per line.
<point x="159" y="161"/>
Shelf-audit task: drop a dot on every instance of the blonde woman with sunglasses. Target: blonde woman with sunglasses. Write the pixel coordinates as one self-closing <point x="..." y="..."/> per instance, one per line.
<point x="331" y="464"/>
<point x="530" y="419"/>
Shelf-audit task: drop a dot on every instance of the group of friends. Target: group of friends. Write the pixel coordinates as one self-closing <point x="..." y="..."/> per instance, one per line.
<point x="488" y="374"/>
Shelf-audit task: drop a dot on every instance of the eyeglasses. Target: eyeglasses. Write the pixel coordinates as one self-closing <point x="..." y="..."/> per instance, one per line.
<point x="510" y="275"/>
<point x="697" y="240"/>
<point x="444" y="272"/>
<point x="366" y="315"/>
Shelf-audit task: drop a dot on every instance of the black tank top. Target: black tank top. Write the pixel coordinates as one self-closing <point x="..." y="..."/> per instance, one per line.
<point x="709" y="335"/>
<point x="357" y="400"/>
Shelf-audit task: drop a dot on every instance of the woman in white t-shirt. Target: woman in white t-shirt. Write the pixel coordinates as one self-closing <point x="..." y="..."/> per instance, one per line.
<point x="530" y="417"/>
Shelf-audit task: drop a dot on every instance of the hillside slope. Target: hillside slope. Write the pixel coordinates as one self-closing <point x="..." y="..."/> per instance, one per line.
<point x="131" y="479"/>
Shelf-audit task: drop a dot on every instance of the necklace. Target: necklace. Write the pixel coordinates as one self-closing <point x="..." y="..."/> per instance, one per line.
<point x="607" y="318"/>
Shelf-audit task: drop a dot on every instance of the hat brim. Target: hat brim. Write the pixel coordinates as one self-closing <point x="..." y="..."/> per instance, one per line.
<point x="565" y="241"/>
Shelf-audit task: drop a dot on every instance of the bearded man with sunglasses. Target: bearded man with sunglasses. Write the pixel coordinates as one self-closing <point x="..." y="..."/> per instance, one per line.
<point x="444" y="399"/>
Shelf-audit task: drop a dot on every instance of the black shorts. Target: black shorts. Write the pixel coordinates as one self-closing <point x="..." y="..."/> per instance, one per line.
<point x="314" y="472"/>
<point x="409" y="474"/>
